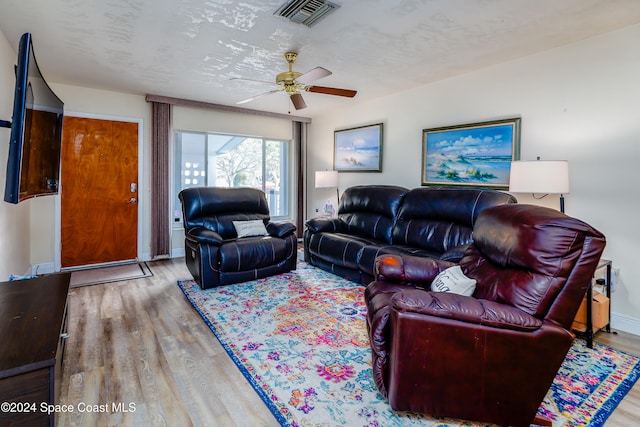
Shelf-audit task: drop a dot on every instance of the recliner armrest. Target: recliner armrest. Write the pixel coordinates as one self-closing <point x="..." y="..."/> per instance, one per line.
<point x="280" y="229"/>
<point x="454" y="254"/>
<point x="203" y="235"/>
<point x="318" y="225"/>
<point x="465" y="309"/>
<point x="407" y="268"/>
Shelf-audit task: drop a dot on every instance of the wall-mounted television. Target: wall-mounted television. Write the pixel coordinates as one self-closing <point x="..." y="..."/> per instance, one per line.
<point x="33" y="165"/>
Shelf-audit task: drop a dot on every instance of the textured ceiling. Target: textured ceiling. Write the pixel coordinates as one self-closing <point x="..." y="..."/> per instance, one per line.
<point x="193" y="48"/>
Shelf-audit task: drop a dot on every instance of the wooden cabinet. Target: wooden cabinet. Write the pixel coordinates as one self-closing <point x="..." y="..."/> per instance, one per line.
<point x="33" y="316"/>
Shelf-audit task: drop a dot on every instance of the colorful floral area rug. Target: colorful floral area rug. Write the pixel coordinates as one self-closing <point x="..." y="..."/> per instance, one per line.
<point x="300" y="340"/>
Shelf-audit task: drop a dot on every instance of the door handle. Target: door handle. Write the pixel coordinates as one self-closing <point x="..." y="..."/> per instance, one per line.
<point x="132" y="200"/>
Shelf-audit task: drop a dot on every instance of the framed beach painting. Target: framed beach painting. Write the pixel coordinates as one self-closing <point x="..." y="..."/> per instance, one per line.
<point x="358" y="149"/>
<point x="476" y="154"/>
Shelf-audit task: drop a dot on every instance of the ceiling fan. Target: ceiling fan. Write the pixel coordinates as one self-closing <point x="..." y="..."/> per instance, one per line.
<point x="293" y="82"/>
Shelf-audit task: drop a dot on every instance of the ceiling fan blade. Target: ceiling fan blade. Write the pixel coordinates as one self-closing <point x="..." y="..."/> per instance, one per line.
<point x="244" y="101"/>
<point x="313" y="75"/>
<point x="332" y="91"/>
<point x="298" y="101"/>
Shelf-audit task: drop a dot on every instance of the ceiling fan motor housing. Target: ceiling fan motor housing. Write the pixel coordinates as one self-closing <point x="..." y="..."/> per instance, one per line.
<point x="288" y="77"/>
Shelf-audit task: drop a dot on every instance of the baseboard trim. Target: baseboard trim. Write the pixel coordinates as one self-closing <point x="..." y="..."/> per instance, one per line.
<point x="625" y="323"/>
<point x="49" y="267"/>
<point x="177" y="252"/>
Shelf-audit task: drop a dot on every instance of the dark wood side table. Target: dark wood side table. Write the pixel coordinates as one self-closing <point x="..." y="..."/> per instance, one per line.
<point x="589" y="333"/>
<point x="33" y="317"/>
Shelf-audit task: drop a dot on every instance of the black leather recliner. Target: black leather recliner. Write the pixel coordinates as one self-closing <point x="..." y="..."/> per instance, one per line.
<point x="213" y="252"/>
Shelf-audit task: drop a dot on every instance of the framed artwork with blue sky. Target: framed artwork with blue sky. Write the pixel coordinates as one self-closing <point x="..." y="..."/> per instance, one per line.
<point x="476" y="154"/>
<point x="358" y="149"/>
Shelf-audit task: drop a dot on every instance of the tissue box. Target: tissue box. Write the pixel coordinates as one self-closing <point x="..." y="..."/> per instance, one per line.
<point x="600" y="313"/>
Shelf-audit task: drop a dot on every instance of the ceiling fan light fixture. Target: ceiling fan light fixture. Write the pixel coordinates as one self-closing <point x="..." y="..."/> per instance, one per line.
<point x="306" y="12"/>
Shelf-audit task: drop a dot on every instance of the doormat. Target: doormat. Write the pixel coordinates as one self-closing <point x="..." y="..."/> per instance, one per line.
<point x="116" y="273"/>
<point x="300" y="340"/>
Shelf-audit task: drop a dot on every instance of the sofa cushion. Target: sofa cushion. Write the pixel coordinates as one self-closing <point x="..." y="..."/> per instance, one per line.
<point x="252" y="252"/>
<point x="338" y="248"/>
<point x="439" y="219"/>
<point x="370" y="210"/>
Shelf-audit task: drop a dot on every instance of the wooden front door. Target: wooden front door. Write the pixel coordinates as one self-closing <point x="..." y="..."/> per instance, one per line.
<point x="99" y="196"/>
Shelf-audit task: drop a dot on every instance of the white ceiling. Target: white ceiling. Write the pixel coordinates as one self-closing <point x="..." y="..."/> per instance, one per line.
<point x="192" y="48"/>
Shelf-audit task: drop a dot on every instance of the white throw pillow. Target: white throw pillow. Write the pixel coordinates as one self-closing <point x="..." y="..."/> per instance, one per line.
<point x="250" y="228"/>
<point x="453" y="280"/>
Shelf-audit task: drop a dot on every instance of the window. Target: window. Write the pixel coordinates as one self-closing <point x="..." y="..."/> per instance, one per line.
<point x="217" y="160"/>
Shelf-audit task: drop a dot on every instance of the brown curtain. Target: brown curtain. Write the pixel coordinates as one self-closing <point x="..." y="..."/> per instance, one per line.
<point x="162" y="128"/>
<point x="300" y="142"/>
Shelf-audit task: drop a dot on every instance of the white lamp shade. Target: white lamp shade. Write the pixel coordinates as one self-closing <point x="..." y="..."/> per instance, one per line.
<point x="539" y="176"/>
<point x="326" y="179"/>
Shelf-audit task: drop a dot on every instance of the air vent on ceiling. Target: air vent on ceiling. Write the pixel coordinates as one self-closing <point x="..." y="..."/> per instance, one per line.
<point x="306" y="12"/>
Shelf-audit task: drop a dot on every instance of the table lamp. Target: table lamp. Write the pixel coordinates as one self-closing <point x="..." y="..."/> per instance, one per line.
<point x="328" y="179"/>
<point x="540" y="177"/>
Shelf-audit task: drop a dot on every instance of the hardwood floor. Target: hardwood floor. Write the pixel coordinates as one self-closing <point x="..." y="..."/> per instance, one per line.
<point x="140" y="350"/>
<point x="140" y="342"/>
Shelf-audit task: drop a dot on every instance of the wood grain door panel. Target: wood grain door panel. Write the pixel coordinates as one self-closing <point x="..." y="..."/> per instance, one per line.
<point x="99" y="214"/>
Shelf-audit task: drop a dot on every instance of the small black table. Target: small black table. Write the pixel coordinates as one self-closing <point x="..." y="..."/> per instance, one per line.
<point x="589" y="333"/>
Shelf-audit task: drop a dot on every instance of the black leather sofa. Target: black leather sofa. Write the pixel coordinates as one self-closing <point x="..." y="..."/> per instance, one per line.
<point x="373" y="220"/>
<point x="214" y="253"/>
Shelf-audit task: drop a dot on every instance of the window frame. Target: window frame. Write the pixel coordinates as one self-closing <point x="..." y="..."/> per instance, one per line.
<point x="286" y="159"/>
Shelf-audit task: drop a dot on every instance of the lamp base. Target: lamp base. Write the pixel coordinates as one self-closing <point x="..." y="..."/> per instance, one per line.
<point x="329" y="209"/>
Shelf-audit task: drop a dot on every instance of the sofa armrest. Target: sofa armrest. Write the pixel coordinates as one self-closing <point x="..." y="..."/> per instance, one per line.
<point x="465" y="309"/>
<point x="407" y="268"/>
<point x="318" y="225"/>
<point x="203" y="235"/>
<point x="280" y="229"/>
<point x="454" y="254"/>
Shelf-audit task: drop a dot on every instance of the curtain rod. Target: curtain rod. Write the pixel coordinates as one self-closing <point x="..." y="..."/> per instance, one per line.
<point x="219" y="107"/>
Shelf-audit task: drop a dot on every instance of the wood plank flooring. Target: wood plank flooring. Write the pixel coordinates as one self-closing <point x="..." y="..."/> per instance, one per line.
<point x="140" y="346"/>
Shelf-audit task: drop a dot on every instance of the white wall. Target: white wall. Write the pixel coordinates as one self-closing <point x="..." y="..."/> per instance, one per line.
<point x="14" y="219"/>
<point x="580" y="103"/>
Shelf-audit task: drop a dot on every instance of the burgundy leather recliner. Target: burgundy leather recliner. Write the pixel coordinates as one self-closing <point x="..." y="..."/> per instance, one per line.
<point x="492" y="356"/>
